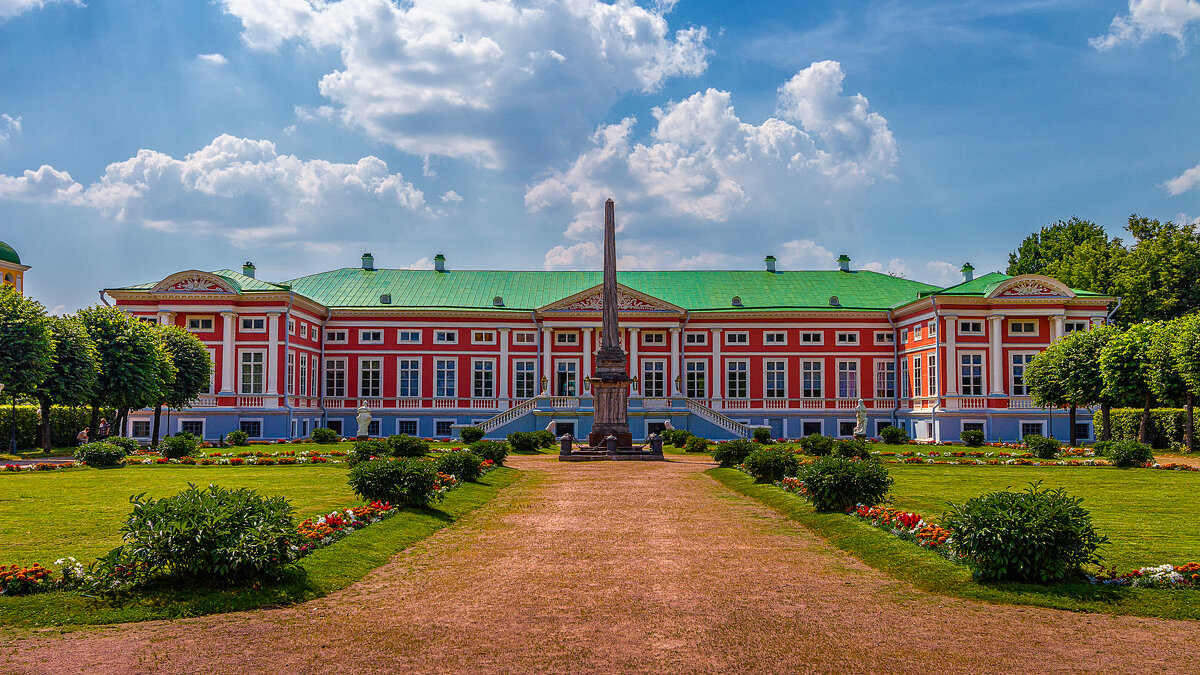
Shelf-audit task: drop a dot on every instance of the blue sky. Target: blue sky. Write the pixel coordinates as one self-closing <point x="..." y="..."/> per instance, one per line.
<point x="140" y="138"/>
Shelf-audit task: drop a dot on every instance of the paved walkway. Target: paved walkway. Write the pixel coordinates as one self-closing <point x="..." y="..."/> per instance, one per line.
<point x="624" y="567"/>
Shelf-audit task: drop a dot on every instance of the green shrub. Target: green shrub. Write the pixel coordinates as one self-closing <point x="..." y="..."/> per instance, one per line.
<point x="125" y="443"/>
<point x="1101" y="448"/>
<point x="407" y="482"/>
<point x="496" y="451"/>
<point x="462" y="464"/>
<point x="1166" y="425"/>
<point x="1042" y="447"/>
<point x="100" y="455"/>
<point x="838" y="483"/>
<point x="470" y="434"/>
<point x="681" y="438"/>
<point x="545" y="438"/>
<point x="972" y="438"/>
<point x="523" y="442"/>
<point x="1126" y="454"/>
<point x="772" y="464"/>
<point x="852" y="449"/>
<point x="208" y="535"/>
<point x="403" y="445"/>
<point x="181" y="444"/>
<point x="696" y="444"/>
<point x="733" y="453"/>
<point x="323" y="435"/>
<point x="237" y="437"/>
<point x="893" y="435"/>
<point x="365" y="451"/>
<point x="65" y="423"/>
<point x="1035" y="535"/>
<point x="763" y="435"/>
<point x="816" y="445"/>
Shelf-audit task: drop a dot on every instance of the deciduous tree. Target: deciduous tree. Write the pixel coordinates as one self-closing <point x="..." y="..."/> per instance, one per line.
<point x="192" y="370"/>
<point x="1125" y="365"/>
<point x="26" y="343"/>
<point x="1185" y="351"/>
<point x="133" y="364"/>
<point x="1068" y="374"/>
<point x="73" y="378"/>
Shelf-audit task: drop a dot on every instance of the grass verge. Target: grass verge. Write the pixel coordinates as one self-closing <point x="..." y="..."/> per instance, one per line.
<point x="931" y="572"/>
<point x="324" y="571"/>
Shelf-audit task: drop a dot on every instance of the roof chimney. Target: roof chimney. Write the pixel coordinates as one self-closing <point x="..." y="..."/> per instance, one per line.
<point x="968" y="272"/>
<point x="439" y="262"/>
<point x="844" y="262"/>
<point x="368" y="261"/>
<point x="770" y="264"/>
<point x="248" y="269"/>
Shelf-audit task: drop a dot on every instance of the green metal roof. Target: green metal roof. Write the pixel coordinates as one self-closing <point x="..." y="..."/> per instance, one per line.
<point x="238" y="280"/>
<point x="984" y="284"/>
<point x="9" y="254"/>
<point x="708" y="290"/>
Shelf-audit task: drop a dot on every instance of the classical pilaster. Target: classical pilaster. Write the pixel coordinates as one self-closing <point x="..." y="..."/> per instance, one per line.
<point x="676" y="370"/>
<point x="272" y="364"/>
<point x="996" y="354"/>
<point x="228" y="355"/>
<point x="950" y="362"/>
<point x="166" y="318"/>
<point x="1057" y="326"/>
<point x="586" y="374"/>
<point x="717" y="376"/>
<point x="547" y="348"/>
<point x="502" y="367"/>
<point x="635" y="368"/>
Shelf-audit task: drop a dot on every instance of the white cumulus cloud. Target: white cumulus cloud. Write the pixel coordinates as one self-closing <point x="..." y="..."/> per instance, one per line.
<point x="214" y="59"/>
<point x="494" y="81"/>
<point x="11" y="8"/>
<point x="1185" y="181"/>
<point x="9" y="125"/>
<point x="1151" y="18"/>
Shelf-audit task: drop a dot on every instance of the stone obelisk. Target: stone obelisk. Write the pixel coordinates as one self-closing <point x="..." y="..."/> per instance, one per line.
<point x="610" y="386"/>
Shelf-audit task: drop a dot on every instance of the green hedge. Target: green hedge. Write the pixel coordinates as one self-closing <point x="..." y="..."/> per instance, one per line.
<point x="65" y="423"/>
<point x="1166" y="425"/>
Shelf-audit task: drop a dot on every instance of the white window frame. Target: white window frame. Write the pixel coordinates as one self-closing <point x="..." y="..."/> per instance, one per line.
<point x="775" y="337"/>
<point x="903" y="336"/>
<point x="532" y="371"/>
<point x="781" y="374"/>
<point x="370" y="336"/>
<point x="1012" y="372"/>
<point x="203" y="425"/>
<point x="291" y="326"/>
<point x="336" y="336"/>
<point x="885" y="337"/>
<point x="737" y="337"/>
<point x="400" y="379"/>
<point x="818" y="422"/>
<point x="857" y="378"/>
<point x="806" y="392"/>
<point x="149" y="428"/>
<point x="490" y="372"/>
<point x="661" y="371"/>
<point x="983" y="374"/>
<point x="334" y="365"/>
<point x="810" y="337"/>
<point x="689" y="377"/>
<point x="445" y="337"/>
<point x="745" y="372"/>
<point x="1013" y="323"/>
<point x="566" y="337"/>
<point x="1090" y="435"/>
<point x="524" y="337"/>
<point x="574" y="370"/>
<point x="439" y="370"/>
<point x="970" y="327"/>
<point x="838" y="427"/>
<point x="439" y="420"/>
<point x="965" y="422"/>
<point x="303" y="375"/>
<point x="1021" y="427"/>
<point x="654" y="338"/>
<point x="291" y="374"/>
<point x="258" y="324"/>
<point x="408" y="336"/>
<point x="847" y="337"/>
<point x="933" y="328"/>
<point x="1078" y="327"/>
<point x="931" y="372"/>
<point x="884" y="368"/>
<point x="304" y="330"/>
<point x="483" y="337"/>
<point x="262" y="364"/>
<point x="416" y="425"/>
<point x="695" y="338"/>
<point x="917" y="332"/>
<point x="261" y="425"/>
<point x="918" y="376"/>
<point x="378" y="370"/>
<point x="200" y="319"/>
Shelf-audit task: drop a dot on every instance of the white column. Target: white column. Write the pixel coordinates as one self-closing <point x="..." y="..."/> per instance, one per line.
<point x="635" y="369"/>
<point x="228" y="362"/>
<point x="547" y="345"/>
<point x="996" y="354"/>
<point x="950" y="362"/>
<point x="1057" y="329"/>
<point x="166" y="318"/>
<point x="272" y="364"/>
<point x="502" y="367"/>
<point x="676" y="362"/>
<point x="585" y="388"/>
<point x="716" y="377"/>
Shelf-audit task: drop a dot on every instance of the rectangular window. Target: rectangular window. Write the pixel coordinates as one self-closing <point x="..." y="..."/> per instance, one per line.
<point x="370" y="337"/>
<point x="1019" y="361"/>
<point x="695" y="338"/>
<point x="254" y="324"/>
<point x="140" y="429"/>
<point x="304" y="331"/>
<point x="971" y="374"/>
<point x="847" y="338"/>
<point x="1022" y="328"/>
<point x="933" y="377"/>
<point x="846" y="427"/>
<point x="885" y="379"/>
<point x="904" y="336"/>
<point x="737" y="379"/>
<point x="335" y="377"/>
<point x="525" y="337"/>
<point x="904" y="378"/>
<point x="193" y="427"/>
<point x="445" y="337"/>
<point x="774" y="338"/>
<point x="373" y="428"/>
<point x="252" y="372"/>
<point x="970" y="328"/>
<point x="654" y="379"/>
<point x="1031" y="428"/>
<point x="654" y="338"/>
<point x="918" y="372"/>
<point x="406" y="427"/>
<point x="811" y="379"/>
<point x="565" y="378"/>
<point x="291" y="373"/>
<point x="812" y="338"/>
<point x="1083" y="431"/>
<point x="811" y="428"/>
<point x="408" y="374"/>
<point x="738" y="338"/>
<point x="335" y="336"/>
<point x="885" y="337"/>
<point x="443" y="428"/>
<point x="370" y="378"/>
<point x="568" y="338"/>
<point x="200" y="323"/>
<point x="916" y="332"/>
<point x="524" y="379"/>
<point x="408" y="337"/>
<point x="291" y="326"/>
<point x="483" y="379"/>
<point x="1075" y="326"/>
<point x="932" y="328"/>
<point x="694" y="379"/>
<point x="445" y="371"/>
<point x="303" y="375"/>
<point x="972" y="426"/>
<point x="776" y="379"/>
<point x="252" y="428"/>
<point x="847" y="379"/>
<point x="483" y="337"/>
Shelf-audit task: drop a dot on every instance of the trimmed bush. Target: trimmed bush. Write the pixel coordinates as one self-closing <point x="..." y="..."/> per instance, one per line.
<point x="772" y="464"/>
<point x="125" y="443"/>
<point x="100" y="455"/>
<point x="1166" y="425"/>
<point x="323" y="436"/>
<point x="681" y="437"/>
<point x="462" y="464"/>
<point x="545" y="438"/>
<point x="365" y="451"/>
<point x="180" y="445"/>
<point x="763" y="435"/>
<point x="523" y="442"/>
<point x="893" y="435"/>
<point x="733" y="453"/>
<point x="1042" y="447"/>
<point x="496" y="451"/>
<point x="696" y="444"/>
<point x="470" y="434"/>
<point x="816" y="445"/>
<point x="403" y="445"/>
<point x="838" y="483"/>
<point x="852" y="449"/>
<point x="408" y="482"/>
<point x="1126" y="454"/>
<point x="972" y="438"/>
<point x="65" y="423"/>
<point x="1035" y="535"/>
<point x="237" y="437"/>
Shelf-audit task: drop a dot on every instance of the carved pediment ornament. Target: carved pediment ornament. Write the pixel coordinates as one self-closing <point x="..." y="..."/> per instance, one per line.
<point x="1029" y="288"/>
<point x="624" y="302"/>
<point x="194" y="282"/>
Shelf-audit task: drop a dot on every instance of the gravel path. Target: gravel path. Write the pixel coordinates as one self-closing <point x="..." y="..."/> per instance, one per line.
<point x="630" y="566"/>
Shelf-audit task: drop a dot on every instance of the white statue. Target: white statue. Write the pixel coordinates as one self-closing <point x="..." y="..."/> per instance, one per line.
<point x="552" y="427"/>
<point x="860" y="417"/>
<point x="364" y="421"/>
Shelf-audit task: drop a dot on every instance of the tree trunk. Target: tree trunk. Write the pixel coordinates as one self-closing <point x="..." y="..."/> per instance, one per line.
<point x="1190" y="436"/>
<point x="1144" y="429"/>
<point x="1071" y="421"/>
<point x="94" y="424"/>
<point x="154" y="432"/>
<point x="122" y="416"/>
<point x="44" y="427"/>
<point x="1106" y="420"/>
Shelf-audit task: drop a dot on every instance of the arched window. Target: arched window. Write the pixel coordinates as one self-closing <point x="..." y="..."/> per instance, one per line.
<point x="8" y="279"/>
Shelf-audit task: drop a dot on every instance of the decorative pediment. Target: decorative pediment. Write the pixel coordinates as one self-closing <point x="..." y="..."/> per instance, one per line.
<point x="628" y="300"/>
<point x="195" y="281"/>
<point x="1031" y="286"/>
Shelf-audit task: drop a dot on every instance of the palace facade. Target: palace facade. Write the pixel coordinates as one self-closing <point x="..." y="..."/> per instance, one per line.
<point x="714" y="352"/>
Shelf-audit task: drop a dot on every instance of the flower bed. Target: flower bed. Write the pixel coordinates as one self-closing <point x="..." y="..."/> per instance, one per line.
<point x="1164" y="576"/>
<point x="43" y="466"/>
<point x="324" y="530"/>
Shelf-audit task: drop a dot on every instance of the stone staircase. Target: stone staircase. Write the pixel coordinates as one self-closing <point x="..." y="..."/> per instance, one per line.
<point x="713" y="417"/>
<point x="516" y="412"/>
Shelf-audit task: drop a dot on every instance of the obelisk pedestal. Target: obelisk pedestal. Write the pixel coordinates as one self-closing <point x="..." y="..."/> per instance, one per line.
<point x="610" y="386"/>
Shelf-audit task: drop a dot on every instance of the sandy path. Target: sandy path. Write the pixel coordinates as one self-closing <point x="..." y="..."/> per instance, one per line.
<point x="605" y="567"/>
